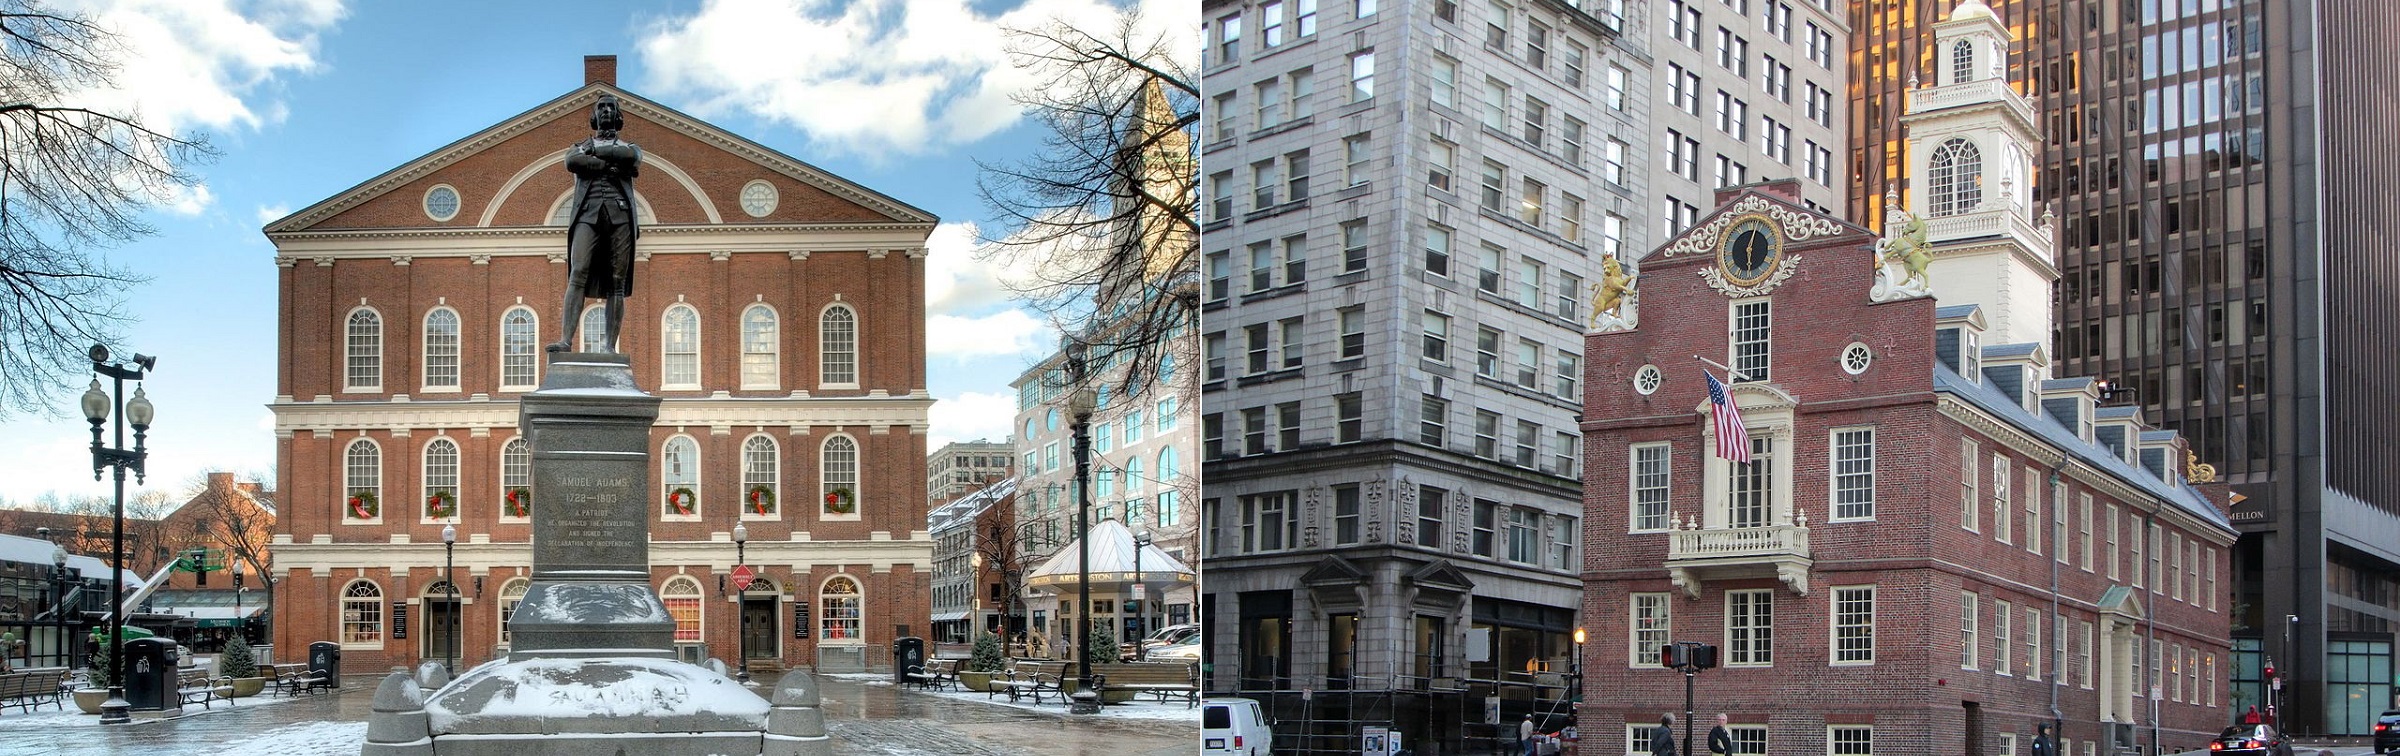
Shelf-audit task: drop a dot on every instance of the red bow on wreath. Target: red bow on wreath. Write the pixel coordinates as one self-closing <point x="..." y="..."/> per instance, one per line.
<point x="358" y="506"/>
<point x="758" y="500"/>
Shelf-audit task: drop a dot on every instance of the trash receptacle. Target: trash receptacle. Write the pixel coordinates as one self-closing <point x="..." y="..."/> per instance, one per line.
<point x="151" y="681"/>
<point x="907" y="654"/>
<point x="325" y="663"/>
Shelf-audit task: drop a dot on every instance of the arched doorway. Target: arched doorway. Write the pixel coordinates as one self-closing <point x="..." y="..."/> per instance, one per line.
<point x="440" y="628"/>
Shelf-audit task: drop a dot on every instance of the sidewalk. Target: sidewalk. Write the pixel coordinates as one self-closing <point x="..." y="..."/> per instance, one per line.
<point x="865" y="714"/>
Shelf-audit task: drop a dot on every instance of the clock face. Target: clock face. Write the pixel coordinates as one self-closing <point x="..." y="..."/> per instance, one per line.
<point x="1749" y="250"/>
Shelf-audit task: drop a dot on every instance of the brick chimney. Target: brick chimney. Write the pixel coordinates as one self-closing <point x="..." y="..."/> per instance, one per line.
<point x="600" y="69"/>
<point x="220" y="481"/>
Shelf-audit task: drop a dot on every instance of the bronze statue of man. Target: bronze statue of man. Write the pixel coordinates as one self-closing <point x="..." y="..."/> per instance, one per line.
<point x="601" y="229"/>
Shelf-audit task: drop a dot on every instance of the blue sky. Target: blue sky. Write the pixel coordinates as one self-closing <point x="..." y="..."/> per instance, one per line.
<point x="305" y="98"/>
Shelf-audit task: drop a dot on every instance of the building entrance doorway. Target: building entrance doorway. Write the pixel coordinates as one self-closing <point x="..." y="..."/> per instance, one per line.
<point x="440" y="626"/>
<point x="759" y="637"/>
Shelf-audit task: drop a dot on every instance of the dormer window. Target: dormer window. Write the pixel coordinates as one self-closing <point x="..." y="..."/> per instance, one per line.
<point x="1970" y="355"/>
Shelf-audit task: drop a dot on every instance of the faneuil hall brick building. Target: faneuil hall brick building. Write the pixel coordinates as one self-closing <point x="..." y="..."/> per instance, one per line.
<point x="778" y="310"/>
<point x="1936" y="543"/>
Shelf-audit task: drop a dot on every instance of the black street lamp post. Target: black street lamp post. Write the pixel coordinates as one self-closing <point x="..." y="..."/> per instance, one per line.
<point x="98" y="408"/>
<point x="1080" y="405"/>
<point x="58" y="598"/>
<point x="241" y="624"/>
<point x="450" y="586"/>
<point x="741" y="591"/>
<point x="1141" y="602"/>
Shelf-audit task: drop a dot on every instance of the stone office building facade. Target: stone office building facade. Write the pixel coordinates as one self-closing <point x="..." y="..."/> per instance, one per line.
<point x="778" y="311"/>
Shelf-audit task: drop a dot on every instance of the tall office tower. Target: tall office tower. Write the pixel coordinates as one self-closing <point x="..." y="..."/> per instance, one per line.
<point x="2214" y="167"/>
<point x="1403" y="208"/>
<point x="1748" y="91"/>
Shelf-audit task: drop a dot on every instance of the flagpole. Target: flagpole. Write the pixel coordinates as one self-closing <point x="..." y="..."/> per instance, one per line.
<point x="1737" y="375"/>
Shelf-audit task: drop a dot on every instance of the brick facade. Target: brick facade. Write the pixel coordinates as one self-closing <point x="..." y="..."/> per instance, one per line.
<point x="1915" y="548"/>
<point x="825" y="243"/>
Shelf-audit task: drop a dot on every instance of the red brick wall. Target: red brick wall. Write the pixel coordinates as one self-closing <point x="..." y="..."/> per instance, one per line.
<point x="1914" y="552"/>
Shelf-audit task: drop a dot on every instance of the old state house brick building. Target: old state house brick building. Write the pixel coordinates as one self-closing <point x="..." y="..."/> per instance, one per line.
<point x="778" y="311"/>
<point x="1937" y="544"/>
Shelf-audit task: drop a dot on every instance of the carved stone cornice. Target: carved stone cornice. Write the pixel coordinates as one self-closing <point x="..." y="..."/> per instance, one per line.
<point x="1798" y="226"/>
<point x="1784" y="269"/>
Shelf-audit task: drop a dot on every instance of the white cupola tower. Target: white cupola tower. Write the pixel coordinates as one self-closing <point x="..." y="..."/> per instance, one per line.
<point x="1972" y="142"/>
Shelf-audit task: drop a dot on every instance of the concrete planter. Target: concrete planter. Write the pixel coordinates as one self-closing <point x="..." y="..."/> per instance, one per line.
<point x="245" y="687"/>
<point x="980" y="682"/>
<point x="89" y="700"/>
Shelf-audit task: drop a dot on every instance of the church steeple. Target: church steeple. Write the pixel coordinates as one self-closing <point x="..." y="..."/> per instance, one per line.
<point x="1972" y="140"/>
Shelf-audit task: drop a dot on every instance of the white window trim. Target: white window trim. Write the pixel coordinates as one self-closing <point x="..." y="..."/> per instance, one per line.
<point x="1733" y="311"/>
<point x="1767" y="649"/>
<point x="425" y="482"/>
<point x="858" y="357"/>
<point x="857" y="494"/>
<point x="1833" y="626"/>
<point x="1833" y="482"/>
<point x="501" y="354"/>
<point x="458" y="353"/>
<point x="698" y="484"/>
<point x="500" y="497"/>
<point x="742" y="465"/>
<point x="821" y="617"/>
<point x="381" y="506"/>
<point x="1633" y="630"/>
<point x="1970" y="653"/>
<point x="383" y="623"/>
<point x="382" y="347"/>
<point x="697" y="591"/>
<point x="1829" y="729"/>
<point x="699" y="348"/>
<point x="1633" y="462"/>
<point x="1764" y="415"/>
<point x="774" y="352"/>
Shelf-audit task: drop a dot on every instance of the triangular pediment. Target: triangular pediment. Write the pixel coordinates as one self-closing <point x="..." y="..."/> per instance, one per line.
<point x="2120" y="600"/>
<point x="1801" y="225"/>
<point x="511" y="174"/>
<point x="1333" y="570"/>
<point x="1440" y="573"/>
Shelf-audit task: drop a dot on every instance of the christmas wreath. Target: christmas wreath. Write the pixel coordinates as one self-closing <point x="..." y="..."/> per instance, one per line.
<point x="442" y="504"/>
<point x="362" y="505"/>
<point x="520" y="502"/>
<point x="841" y="501"/>
<point x="682" y="501"/>
<point x="762" y="500"/>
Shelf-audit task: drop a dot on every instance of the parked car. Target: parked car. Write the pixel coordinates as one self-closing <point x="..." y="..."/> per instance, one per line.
<point x="2251" y="740"/>
<point x="2387" y="732"/>
<point x="1180" y="652"/>
<point x="1234" y="727"/>
<point x="1165" y="636"/>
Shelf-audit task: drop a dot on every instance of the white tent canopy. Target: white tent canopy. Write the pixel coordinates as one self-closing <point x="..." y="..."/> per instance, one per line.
<point x="1112" y="564"/>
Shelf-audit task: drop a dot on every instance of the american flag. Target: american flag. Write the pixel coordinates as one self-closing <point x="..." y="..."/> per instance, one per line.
<point x="1733" y="440"/>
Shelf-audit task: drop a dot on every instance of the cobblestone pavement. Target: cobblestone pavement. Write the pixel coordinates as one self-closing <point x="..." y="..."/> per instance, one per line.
<point x="865" y="719"/>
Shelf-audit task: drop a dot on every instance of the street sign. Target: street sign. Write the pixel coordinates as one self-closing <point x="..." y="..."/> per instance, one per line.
<point x="1139" y="591"/>
<point x="742" y="576"/>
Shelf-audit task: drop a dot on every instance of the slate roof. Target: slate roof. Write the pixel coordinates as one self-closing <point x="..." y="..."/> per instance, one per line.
<point x="1992" y="402"/>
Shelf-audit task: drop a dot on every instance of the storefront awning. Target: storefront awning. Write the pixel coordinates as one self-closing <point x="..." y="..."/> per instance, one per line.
<point x="210" y="616"/>
<point x="950" y="616"/>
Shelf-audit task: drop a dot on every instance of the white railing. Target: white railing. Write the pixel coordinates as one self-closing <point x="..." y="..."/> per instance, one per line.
<point x="1726" y="543"/>
<point x="1987" y="89"/>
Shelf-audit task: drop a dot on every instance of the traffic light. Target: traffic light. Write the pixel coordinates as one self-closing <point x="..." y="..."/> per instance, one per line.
<point x="1704" y="656"/>
<point x="1672" y="656"/>
<point x="1683" y="654"/>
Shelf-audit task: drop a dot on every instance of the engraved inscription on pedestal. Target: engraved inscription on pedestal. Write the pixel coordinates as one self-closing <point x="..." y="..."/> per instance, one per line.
<point x="591" y="596"/>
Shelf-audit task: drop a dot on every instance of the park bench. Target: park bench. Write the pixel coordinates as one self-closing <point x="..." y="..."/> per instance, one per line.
<point x="295" y="679"/>
<point x="195" y="686"/>
<point x="1161" y="680"/>
<point x="30" y="689"/>
<point x="934" y="673"/>
<point x="1031" y="678"/>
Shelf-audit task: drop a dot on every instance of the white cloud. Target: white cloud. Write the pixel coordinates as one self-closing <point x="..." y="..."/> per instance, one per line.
<point x="871" y="76"/>
<point x="1000" y="334"/>
<point x="203" y="63"/>
<point x="272" y="213"/>
<point x="970" y="416"/>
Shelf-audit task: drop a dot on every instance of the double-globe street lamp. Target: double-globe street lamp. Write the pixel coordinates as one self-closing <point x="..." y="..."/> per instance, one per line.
<point x="741" y="591"/>
<point x="58" y="597"/>
<point x="99" y="407"/>
<point x="450" y="582"/>
<point x="1080" y="405"/>
<point x="1141" y="604"/>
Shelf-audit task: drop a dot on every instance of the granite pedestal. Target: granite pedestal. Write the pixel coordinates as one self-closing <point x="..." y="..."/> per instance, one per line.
<point x="591" y="667"/>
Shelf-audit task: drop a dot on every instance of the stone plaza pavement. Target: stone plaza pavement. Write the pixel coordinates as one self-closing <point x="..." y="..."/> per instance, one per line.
<point x="866" y="718"/>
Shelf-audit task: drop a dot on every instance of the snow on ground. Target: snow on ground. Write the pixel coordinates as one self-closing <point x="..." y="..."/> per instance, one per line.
<point x="1144" y="707"/>
<point x="67" y="715"/>
<point x="306" y="739"/>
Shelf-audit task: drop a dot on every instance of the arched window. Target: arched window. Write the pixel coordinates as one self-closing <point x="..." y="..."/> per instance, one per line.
<point x="837" y="345"/>
<point x="839" y="464"/>
<point x="516" y="479"/>
<point x="441" y="480"/>
<point x="362" y="481"/>
<point x="363" y="350"/>
<point x="1030" y="428"/>
<point x="679" y="473"/>
<point x="680" y="340"/>
<point x="839" y="604"/>
<point x="760" y="465"/>
<point x="362" y="614"/>
<point x="591" y="335"/>
<point x="681" y="594"/>
<point x="1962" y="62"/>
<point x="1166" y="368"/>
<point x="441" y="350"/>
<point x="1133" y="475"/>
<point x="642" y="214"/>
<point x="758" y="348"/>
<point x="1956" y="180"/>
<point x="1168" y="466"/>
<point x="510" y="595"/>
<point x="519" y="330"/>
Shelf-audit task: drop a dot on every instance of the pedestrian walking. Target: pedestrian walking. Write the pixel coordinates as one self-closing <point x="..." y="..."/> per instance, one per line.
<point x="1720" y="740"/>
<point x="2042" y="745"/>
<point x="2251" y="717"/>
<point x="1662" y="739"/>
<point x="1525" y="736"/>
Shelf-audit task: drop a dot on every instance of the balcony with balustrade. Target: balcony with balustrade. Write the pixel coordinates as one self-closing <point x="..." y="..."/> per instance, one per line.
<point x="1698" y="553"/>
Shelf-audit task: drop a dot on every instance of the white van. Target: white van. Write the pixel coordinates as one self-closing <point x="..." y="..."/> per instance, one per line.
<point x="1234" y="727"/>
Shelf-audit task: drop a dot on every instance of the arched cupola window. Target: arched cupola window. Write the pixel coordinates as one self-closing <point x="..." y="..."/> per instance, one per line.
<point x="1962" y="62"/>
<point x="1955" y="178"/>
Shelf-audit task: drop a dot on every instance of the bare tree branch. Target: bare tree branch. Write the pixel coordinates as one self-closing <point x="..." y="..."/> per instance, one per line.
<point x="73" y="179"/>
<point x="1105" y="213"/>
